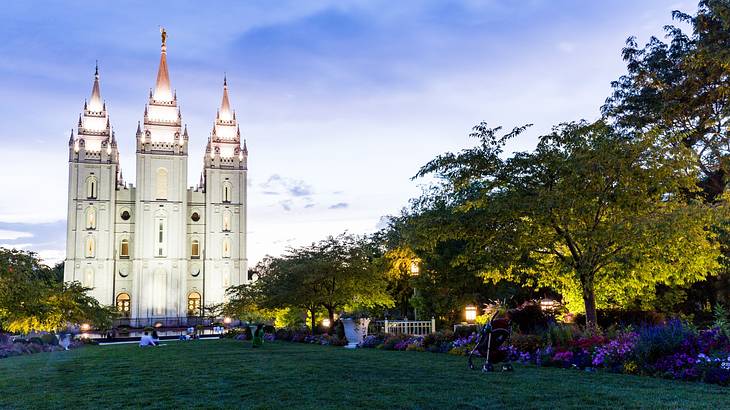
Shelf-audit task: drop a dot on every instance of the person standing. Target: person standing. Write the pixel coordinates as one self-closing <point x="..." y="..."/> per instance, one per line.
<point x="258" y="335"/>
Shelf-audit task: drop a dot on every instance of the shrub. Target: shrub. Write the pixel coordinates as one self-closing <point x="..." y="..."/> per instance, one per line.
<point x="439" y="342"/>
<point x="372" y="341"/>
<point x="530" y="318"/>
<point x="391" y="341"/>
<point x="49" y="339"/>
<point x="657" y="341"/>
<point x="527" y="343"/>
<point x="465" y="330"/>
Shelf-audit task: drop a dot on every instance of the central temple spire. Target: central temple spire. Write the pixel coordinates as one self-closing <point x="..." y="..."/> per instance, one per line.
<point x="225" y="111"/>
<point x="95" y="104"/>
<point x="163" y="91"/>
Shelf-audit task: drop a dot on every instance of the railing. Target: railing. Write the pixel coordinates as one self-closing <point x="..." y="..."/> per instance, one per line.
<point x="403" y="327"/>
<point x="167" y="321"/>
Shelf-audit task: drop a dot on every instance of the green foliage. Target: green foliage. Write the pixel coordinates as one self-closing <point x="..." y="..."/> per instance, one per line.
<point x="598" y="214"/>
<point x="333" y="274"/>
<point x="33" y="299"/>
<point x="721" y="319"/>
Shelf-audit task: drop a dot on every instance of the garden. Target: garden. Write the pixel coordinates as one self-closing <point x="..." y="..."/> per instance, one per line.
<point x="231" y="374"/>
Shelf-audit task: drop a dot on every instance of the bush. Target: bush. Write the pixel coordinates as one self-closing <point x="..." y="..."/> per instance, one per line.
<point x="657" y="341"/>
<point x="465" y="330"/>
<point x="391" y="341"/>
<point x="372" y="341"/>
<point x="439" y="342"/>
<point x="530" y="318"/>
<point x="49" y="339"/>
<point x="527" y="343"/>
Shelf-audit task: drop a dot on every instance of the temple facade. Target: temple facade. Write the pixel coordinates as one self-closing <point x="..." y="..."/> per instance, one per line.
<point x="156" y="249"/>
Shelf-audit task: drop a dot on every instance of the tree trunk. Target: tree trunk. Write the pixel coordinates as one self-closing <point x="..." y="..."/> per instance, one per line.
<point x="589" y="299"/>
<point x="312" y="312"/>
<point x="331" y="314"/>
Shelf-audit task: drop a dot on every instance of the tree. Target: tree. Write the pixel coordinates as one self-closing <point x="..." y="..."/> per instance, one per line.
<point x="332" y="274"/>
<point x="344" y="269"/>
<point x="593" y="211"/>
<point x="33" y="299"/>
<point x="682" y="87"/>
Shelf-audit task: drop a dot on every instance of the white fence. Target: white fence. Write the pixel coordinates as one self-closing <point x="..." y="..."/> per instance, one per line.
<point x="405" y="327"/>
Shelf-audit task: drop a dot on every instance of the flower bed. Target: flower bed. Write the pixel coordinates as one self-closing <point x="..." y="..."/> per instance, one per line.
<point x="672" y="350"/>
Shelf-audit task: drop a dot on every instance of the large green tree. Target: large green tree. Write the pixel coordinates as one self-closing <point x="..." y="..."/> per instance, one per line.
<point x="680" y="85"/>
<point x="591" y="212"/>
<point x="333" y="274"/>
<point x="32" y="298"/>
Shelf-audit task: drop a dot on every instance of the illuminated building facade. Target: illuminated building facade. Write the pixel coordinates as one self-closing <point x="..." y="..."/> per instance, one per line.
<point x="156" y="248"/>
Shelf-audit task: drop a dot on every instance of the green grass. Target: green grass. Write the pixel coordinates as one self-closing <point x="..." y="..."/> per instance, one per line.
<point x="229" y="374"/>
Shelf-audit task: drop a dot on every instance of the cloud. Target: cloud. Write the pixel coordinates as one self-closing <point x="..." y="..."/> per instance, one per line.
<point x="307" y="206"/>
<point x="7" y="235"/>
<point x="47" y="239"/>
<point x="278" y="185"/>
<point x="286" y="204"/>
<point x="339" y="205"/>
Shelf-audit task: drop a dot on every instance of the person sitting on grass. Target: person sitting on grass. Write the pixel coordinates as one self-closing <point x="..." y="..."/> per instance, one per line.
<point x="258" y="335"/>
<point x="146" y="340"/>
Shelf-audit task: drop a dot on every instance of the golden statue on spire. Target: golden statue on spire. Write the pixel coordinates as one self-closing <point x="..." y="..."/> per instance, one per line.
<point x="163" y="33"/>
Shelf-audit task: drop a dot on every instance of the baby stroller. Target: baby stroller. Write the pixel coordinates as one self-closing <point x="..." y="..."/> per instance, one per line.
<point x="492" y="335"/>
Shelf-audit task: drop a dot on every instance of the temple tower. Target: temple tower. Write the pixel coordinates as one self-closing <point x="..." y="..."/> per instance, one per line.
<point x="94" y="175"/>
<point x="160" y="259"/>
<point x="224" y="178"/>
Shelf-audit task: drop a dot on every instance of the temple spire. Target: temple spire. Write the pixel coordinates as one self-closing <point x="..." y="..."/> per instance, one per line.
<point x="225" y="112"/>
<point x="163" y="92"/>
<point x="95" y="104"/>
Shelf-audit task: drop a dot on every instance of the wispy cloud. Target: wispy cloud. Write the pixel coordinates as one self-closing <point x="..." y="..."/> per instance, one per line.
<point x="278" y="185"/>
<point x="339" y="205"/>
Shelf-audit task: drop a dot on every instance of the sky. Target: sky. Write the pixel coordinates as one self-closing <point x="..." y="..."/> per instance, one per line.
<point x="340" y="102"/>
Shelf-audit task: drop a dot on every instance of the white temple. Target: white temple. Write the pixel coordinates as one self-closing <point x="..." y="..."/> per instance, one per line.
<point x="156" y="249"/>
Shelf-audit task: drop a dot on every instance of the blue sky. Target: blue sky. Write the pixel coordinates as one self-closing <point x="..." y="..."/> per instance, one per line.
<point x="341" y="102"/>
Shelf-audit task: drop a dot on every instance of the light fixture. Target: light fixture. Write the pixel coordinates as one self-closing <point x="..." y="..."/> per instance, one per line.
<point x="415" y="269"/>
<point x="470" y="314"/>
<point x="326" y="323"/>
<point x="548" y="304"/>
<point x="85" y="327"/>
<point x="227" y="320"/>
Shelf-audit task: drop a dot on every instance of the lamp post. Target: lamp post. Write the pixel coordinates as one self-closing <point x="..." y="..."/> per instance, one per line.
<point x="470" y="314"/>
<point x="415" y="270"/>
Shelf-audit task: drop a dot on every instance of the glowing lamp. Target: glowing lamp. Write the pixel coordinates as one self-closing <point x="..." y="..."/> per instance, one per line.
<point x="470" y="314"/>
<point x="227" y="320"/>
<point x="158" y="325"/>
<point x="326" y="323"/>
<point x="415" y="270"/>
<point x="85" y="327"/>
<point x="548" y="304"/>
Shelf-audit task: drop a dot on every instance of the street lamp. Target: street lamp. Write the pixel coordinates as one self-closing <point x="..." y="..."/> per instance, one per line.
<point x="415" y="271"/>
<point x="326" y="323"/>
<point x="470" y="314"/>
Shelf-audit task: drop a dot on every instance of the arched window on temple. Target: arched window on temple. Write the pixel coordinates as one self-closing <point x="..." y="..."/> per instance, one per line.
<point x="226" y="251"/>
<point x="194" y="304"/>
<point x="124" y="304"/>
<point x="226" y="226"/>
<point x="90" y="248"/>
<point x="91" y="218"/>
<point x="92" y="187"/>
<point x="227" y="192"/>
<point x="161" y="184"/>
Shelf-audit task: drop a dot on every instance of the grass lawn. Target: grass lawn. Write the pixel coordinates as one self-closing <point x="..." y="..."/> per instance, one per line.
<point x="229" y="374"/>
